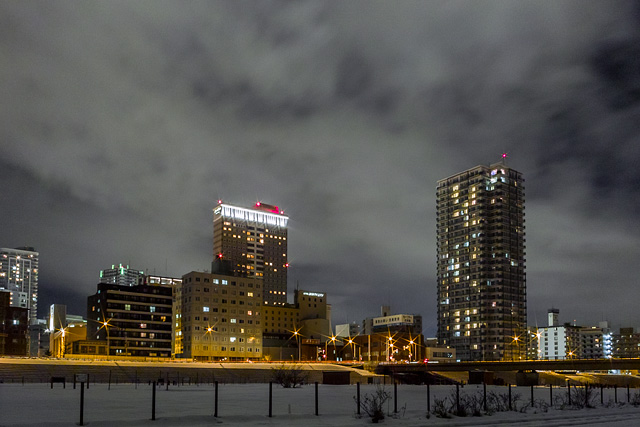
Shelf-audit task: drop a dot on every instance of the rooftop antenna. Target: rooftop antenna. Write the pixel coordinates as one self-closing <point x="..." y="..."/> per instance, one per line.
<point x="504" y="158"/>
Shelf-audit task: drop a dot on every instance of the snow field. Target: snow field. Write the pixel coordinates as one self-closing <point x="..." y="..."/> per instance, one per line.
<point x="247" y="404"/>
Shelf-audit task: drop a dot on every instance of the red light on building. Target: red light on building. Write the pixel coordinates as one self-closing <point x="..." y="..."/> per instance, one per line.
<point x="220" y="255"/>
<point x="268" y="208"/>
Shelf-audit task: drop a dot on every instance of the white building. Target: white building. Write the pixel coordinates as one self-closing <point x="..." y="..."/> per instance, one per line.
<point x="573" y="342"/>
<point x="19" y="276"/>
<point x="121" y="275"/>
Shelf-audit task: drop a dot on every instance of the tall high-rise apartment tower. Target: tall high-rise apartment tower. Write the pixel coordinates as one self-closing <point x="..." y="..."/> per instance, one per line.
<point x="252" y="242"/>
<point x="482" y="304"/>
<point x="19" y="276"/>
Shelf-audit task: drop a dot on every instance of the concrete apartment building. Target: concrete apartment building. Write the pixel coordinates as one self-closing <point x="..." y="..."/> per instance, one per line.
<point x="133" y="320"/>
<point x="221" y="317"/>
<point x="482" y="310"/>
<point x="14" y="328"/>
<point x="19" y="276"/>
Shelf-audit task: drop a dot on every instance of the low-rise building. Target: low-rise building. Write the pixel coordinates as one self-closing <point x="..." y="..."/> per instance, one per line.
<point x="626" y="344"/>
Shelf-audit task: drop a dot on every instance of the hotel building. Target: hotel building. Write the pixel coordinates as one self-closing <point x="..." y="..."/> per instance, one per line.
<point x="253" y="243"/>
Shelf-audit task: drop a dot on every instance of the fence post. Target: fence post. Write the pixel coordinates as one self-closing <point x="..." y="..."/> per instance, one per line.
<point x="167" y="380"/>
<point x="532" y="404"/>
<point x="484" y="396"/>
<point x="509" y="396"/>
<point x="458" y="398"/>
<point x="601" y="394"/>
<point x="615" y="392"/>
<point x="628" y="396"/>
<point x="153" y="402"/>
<point x="428" y="398"/>
<point x="270" y="398"/>
<point x="215" y="413"/>
<point x="87" y="381"/>
<point x="81" y="403"/>
<point x="316" y="397"/>
<point x="550" y="394"/>
<point x="569" y="391"/>
<point x="358" y="394"/>
<point x="395" y="396"/>
<point x="586" y="395"/>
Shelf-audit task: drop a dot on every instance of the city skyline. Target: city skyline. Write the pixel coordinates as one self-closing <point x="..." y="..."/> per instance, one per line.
<point x="123" y="124"/>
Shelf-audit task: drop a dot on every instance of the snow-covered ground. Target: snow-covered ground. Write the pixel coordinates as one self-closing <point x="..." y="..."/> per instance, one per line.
<point x="247" y="404"/>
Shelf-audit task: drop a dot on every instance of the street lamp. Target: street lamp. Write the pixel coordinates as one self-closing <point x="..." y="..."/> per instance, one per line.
<point x="326" y="352"/>
<point x="210" y="331"/>
<point x="296" y="333"/>
<point x="390" y="348"/>
<point x="411" y="344"/>
<point x="106" y="325"/>
<point x="62" y="334"/>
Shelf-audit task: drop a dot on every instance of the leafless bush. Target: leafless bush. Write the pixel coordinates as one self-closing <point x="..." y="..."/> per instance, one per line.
<point x="441" y="408"/>
<point x="373" y="404"/>
<point x="581" y="398"/>
<point x="289" y="376"/>
<point x="499" y="402"/>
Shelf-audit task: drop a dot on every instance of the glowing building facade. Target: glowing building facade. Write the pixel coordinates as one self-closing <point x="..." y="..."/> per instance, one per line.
<point x="253" y="244"/>
<point x="19" y="276"/>
<point x="122" y="275"/>
<point x="482" y="308"/>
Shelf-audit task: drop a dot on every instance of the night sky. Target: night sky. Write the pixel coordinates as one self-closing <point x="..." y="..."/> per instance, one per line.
<point x="122" y="123"/>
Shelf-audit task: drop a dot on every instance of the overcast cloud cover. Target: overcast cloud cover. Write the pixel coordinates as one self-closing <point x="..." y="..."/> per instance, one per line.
<point x="122" y="123"/>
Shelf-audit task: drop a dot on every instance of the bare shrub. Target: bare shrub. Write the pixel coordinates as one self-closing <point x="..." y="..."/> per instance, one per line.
<point x="499" y="402"/>
<point x="441" y="408"/>
<point x="581" y="398"/>
<point x="372" y="404"/>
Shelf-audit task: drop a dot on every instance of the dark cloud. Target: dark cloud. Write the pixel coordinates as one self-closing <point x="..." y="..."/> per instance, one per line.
<point x="122" y="123"/>
<point x="618" y="64"/>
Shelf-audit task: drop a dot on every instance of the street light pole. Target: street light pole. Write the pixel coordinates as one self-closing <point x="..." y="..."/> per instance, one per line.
<point x="106" y="327"/>
<point x="298" y="344"/>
